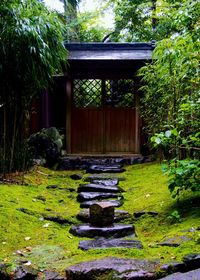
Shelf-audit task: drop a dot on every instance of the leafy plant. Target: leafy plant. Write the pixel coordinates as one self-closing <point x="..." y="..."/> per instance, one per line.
<point x="174" y="217"/>
<point x="31" y="52"/>
<point x="185" y="175"/>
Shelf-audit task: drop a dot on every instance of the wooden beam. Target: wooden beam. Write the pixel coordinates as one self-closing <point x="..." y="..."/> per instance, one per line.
<point x="68" y="115"/>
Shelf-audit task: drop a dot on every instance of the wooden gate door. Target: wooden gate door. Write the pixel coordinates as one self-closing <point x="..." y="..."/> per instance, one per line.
<point x="103" y="117"/>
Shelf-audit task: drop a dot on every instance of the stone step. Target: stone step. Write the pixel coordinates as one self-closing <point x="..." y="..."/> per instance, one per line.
<point x="105" y="169"/>
<point x="104" y="176"/>
<point x="104" y="182"/>
<point x="87" y="204"/>
<point x="86" y="196"/>
<point x="119" y="215"/>
<point x="109" y="243"/>
<point x="115" y="231"/>
<point x="99" y="188"/>
<point x="114" y="268"/>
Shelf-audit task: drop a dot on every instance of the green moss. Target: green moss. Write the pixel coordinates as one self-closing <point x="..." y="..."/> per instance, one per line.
<point x="27" y="236"/>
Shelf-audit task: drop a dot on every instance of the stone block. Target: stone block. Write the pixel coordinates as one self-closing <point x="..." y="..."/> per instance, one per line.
<point x="102" y="214"/>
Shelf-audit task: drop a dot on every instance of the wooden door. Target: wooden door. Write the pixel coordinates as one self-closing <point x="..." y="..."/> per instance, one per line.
<point x="103" y="117"/>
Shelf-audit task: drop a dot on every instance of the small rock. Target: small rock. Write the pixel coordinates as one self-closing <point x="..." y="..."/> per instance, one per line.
<point x="141" y="213"/>
<point x="51" y="275"/>
<point x="76" y="176"/>
<point x="3" y="273"/>
<point x="52" y="187"/>
<point x="25" y="273"/>
<point x="40" y="197"/>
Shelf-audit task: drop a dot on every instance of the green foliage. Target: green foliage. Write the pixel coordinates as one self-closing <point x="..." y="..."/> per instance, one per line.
<point x="174" y="217"/>
<point x="31" y="52"/>
<point x="170" y="104"/>
<point x="185" y="175"/>
<point x="46" y="144"/>
<point x="154" y="20"/>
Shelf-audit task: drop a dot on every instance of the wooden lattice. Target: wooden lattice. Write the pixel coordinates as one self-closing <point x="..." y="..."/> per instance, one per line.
<point x="117" y="93"/>
<point x="87" y="93"/>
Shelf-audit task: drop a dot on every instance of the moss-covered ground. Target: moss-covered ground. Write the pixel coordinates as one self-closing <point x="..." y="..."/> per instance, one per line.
<point x="48" y="245"/>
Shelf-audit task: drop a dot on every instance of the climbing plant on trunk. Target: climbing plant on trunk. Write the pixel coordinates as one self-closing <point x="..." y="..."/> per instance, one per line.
<point x="31" y="52"/>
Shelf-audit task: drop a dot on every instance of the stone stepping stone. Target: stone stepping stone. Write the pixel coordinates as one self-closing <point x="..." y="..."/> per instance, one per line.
<point x="104" y="182"/>
<point x="85" y="196"/>
<point x="87" y="204"/>
<point x="113" y="268"/>
<point x="175" y="241"/>
<point x="104" y="176"/>
<point x="99" y="188"/>
<point x="109" y="243"/>
<point x="119" y="215"/>
<point x="191" y="275"/>
<point x="114" y="168"/>
<point x="116" y="231"/>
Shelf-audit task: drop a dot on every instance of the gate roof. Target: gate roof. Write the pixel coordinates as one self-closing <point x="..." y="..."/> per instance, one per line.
<point x="91" y="60"/>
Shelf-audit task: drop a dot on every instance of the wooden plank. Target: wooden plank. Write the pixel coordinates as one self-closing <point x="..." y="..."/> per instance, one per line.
<point x="68" y="115"/>
<point x="120" y="130"/>
<point x="87" y="134"/>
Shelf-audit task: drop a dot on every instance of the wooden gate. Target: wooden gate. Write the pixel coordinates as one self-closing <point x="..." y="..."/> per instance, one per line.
<point x="104" y="117"/>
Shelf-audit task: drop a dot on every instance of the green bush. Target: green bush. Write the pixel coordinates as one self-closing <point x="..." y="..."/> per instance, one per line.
<point x="185" y="175"/>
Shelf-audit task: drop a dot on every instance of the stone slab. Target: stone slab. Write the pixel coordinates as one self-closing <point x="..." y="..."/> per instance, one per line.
<point x="87" y="204"/>
<point x="120" y="215"/>
<point x="175" y="241"/>
<point x="109" y="243"/>
<point x="85" y="196"/>
<point x="99" y="188"/>
<point x="108" y="182"/>
<point x="114" y="168"/>
<point x="191" y="275"/>
<point x="104" y="176"/>
<point x="113" y="268"/>
<point x="115" y="231"/>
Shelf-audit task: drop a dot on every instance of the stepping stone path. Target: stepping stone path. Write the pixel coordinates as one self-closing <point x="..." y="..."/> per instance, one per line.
<point x="100" y="214"/>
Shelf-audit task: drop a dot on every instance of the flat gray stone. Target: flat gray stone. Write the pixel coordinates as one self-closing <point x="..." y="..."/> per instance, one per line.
<point x="87" y="204"/>
<point x="120" y="215"/>
<point x="115" y="231"/>
<point x="191" y="275"/>
<point x="104" y="176"/>
<point x="108" y="182"/>
<point x="175" y="241"/>
<point x="99" y="168"/>
<point x="99" y="188"/>
<point x="85" y="196"/>
<point x="109" y="243"/>
<point x="113" y="268"/>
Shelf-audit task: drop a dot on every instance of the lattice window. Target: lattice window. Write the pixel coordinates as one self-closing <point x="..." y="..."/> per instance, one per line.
<point x="87" y="93"/>
<point x="119" y="93"/>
